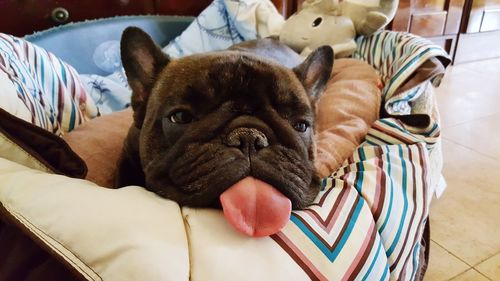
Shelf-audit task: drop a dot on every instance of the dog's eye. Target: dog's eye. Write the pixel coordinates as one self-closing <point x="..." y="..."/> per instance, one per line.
<point x="317" y="21"/>
<point x="181" y="117"/>
<point x="301" y="127"/>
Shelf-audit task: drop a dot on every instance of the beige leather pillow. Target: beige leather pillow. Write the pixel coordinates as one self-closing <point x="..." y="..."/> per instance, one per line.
<point x="99" y="143"/>
<point x="346" y="111"/>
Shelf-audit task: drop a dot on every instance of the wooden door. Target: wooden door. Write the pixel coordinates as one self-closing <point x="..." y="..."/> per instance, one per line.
<point x="429" y="18"/>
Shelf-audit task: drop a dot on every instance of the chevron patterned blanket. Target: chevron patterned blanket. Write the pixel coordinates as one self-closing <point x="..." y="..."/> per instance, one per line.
<point x="368" y="221"/>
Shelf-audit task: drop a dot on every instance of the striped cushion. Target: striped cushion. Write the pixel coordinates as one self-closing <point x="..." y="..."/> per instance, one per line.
<point x="45" y="91"/>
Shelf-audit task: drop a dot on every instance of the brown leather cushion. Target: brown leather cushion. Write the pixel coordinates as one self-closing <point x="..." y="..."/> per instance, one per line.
<point x="99" y="143"/>
<point x="346" y="111"/>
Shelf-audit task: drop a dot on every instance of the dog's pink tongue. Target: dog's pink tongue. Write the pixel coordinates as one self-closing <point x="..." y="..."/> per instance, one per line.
<point x="255" y="208"/>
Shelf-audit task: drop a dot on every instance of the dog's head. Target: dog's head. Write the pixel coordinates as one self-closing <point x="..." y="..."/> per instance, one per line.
<point x="208" y="121"/>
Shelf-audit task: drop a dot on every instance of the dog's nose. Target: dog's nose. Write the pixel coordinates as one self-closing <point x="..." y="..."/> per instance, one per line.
<point x="247" y="138"/>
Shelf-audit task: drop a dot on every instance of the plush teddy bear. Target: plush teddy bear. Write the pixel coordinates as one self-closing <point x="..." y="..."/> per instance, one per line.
<point x="335" y="23"/>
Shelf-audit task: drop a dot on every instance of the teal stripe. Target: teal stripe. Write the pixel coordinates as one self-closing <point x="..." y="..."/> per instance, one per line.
<point x="63" y="73"/>
<point x="72" y="118"/>
<point x="386" y="271"/>
<point x="360" y="171"/>
<point x="375" y="259"/>
<point x="402" y="130"/>
<point x="42" y="71"/>
<point x="404" y="68"/>
<point x="391" y="198"/>
<point x="28" y="90"/>
<point x="416" y="251"/>
<point x="428" y="135"/>
<point x="54" y="96"/>
<point x="374" y="49"/>
<point x="381" y="142"/>
<point x="405" y="208"/>
<point x="345" y="236"/>
<point x="411" y="63"/>
<point x="432" y="131"/>
<point x="326" y="183"/>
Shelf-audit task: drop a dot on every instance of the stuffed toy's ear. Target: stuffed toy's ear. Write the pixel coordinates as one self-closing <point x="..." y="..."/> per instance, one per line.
<point x="143" y="60"/>
<point x="315" y="71"/>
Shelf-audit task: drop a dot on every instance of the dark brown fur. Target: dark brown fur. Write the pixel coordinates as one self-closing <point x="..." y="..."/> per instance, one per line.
<point x="244" y="110"/>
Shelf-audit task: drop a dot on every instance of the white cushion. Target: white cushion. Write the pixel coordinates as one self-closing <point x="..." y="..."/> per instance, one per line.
<point x="218" y="251"/>
<point x="124" y="234"/>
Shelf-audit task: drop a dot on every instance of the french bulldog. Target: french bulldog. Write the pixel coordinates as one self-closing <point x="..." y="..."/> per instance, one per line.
<point x="228" y="128"/>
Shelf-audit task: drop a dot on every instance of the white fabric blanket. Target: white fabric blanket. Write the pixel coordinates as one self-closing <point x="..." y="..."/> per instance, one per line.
<point x="222" y="24"/>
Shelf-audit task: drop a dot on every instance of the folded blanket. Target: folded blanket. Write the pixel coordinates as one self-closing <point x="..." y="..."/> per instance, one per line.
<point x="399" y="57"/>
<point x="410" y="67"/>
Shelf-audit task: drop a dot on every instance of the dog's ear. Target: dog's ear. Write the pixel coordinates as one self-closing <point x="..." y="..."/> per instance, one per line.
<point x="142" y="60"/>
<point x="315" y="71"/>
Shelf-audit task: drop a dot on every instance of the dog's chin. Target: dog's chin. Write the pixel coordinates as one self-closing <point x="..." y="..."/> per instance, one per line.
<point x="197" y="180"/>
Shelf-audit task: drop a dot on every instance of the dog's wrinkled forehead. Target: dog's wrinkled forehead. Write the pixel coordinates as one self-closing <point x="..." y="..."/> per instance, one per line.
<point x="243" y="78"/>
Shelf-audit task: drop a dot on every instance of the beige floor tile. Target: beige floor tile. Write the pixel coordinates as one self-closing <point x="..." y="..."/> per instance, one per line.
<point x="466" y="95"/>
<point x="490" y="267"/>
<point x="465" y="220"/>
<point x="481" y="135"/>
<point x="443" y="265"/>
<point x="488" y="67"/>
<point x="470" y="275"/>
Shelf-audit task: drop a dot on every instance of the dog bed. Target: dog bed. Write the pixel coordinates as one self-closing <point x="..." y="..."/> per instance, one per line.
<point x="367" y="223"/>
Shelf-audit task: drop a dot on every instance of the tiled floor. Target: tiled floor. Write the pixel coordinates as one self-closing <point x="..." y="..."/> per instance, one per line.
<point x="465" y="221"/>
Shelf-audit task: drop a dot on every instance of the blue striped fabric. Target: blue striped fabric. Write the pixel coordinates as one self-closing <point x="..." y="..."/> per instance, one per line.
<point x="368" y="221"/>
<point x="48" y="92"/>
